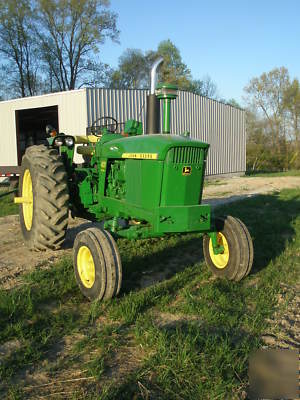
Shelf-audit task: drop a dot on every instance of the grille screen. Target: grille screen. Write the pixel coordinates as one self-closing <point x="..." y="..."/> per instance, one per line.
<point x="187" y="155"/>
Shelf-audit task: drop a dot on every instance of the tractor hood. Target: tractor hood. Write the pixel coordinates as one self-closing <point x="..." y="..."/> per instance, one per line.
<point x="151" y="147"/>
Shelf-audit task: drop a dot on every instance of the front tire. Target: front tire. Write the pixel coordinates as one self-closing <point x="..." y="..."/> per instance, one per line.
<point x="97" y="264"/>
<point x="236" y="261"/>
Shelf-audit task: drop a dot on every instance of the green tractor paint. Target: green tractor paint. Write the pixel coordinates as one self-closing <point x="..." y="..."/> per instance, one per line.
<point x="167" y="93"/>
<point x="137" y="185"/>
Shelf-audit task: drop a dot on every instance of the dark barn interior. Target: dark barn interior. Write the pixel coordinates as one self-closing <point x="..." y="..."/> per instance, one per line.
<point x="31" y="126"/>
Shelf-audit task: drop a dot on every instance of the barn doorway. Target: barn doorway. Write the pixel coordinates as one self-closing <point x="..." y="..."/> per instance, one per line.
<point x="31" y="126"/>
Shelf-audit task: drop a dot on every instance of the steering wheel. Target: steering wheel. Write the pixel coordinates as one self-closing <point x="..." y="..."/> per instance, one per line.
<point x="110" y="123"/>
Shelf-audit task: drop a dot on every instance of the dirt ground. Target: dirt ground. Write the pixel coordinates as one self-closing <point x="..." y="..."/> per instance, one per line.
<point x="283" y="329"/>
<point x="16" y="259"/>
<point x="233" y="189"/>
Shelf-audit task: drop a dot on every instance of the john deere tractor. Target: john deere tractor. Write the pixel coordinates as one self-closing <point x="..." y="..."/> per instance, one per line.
<point x="138" y="185"/>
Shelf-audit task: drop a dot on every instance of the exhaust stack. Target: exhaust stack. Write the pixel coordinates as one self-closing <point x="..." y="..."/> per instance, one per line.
<point x="153" y="75"/>
<point x="153" y="103"/>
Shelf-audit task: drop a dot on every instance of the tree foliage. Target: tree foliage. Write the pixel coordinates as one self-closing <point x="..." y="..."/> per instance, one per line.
<point x="205" y="87"/>
<point x="19" y="47"/>
<point x="70" y="31"/>
<point x="133" y="71"/>
<point x="51" y="44"/>
<point x="134" y="66"/>
<point x="232" y="102"/>
<point x="292" y="105"/>
<point x="173" y="69"/>
<point x="273" y="121"/>
<point x="267" y="94"/>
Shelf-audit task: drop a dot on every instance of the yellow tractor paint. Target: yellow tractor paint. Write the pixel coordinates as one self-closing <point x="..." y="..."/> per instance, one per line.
<point x="220" y="260"/>
<point x="186" y="170"/>
<point x="86" y="266"/>
<point x="141" y="156"/>
<point x="86" y="139"/>
<point x="26" y="199"/>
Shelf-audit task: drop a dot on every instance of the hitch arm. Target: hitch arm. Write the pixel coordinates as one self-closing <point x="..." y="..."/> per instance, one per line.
<point x="7" y="193"/>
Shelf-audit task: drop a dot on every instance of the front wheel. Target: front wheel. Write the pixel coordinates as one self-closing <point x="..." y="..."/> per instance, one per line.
<point x="237" y="258"/>
<point x="97" y="264"/>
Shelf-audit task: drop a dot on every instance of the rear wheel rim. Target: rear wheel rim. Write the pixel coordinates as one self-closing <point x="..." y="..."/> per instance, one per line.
<point x="86" y="266"/>
<point x="28" y="205"/>
<point x="220" y="261"/>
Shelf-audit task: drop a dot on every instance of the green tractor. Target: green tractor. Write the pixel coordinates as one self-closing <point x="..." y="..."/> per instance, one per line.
<point x="137" y="185"/>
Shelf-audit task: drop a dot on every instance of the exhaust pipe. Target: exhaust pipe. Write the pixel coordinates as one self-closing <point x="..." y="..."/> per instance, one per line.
<point x="153" y="75"/>
<point x="153" y="103"/>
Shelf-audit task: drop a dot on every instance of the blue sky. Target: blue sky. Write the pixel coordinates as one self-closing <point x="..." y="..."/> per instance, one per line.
<point x="230" y="40"/>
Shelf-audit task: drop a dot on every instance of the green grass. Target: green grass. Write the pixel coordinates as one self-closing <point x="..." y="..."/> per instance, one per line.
<point x="7" y="206"/>
<point x="271" y="174"/>
<point x="194" y="333"/>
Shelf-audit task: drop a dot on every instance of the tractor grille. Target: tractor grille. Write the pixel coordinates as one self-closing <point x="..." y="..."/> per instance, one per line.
<point x="187" y="155"/>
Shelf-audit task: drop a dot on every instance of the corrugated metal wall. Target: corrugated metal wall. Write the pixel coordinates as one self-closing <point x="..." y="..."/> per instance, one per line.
<point x="220" y="125"/>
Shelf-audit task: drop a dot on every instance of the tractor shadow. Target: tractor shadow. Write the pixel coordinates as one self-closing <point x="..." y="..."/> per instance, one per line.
<point x="77" y="226"/>
<point x="268" y="218"/>
<point x="220" y="201"/>
<point x="147" y="270"/>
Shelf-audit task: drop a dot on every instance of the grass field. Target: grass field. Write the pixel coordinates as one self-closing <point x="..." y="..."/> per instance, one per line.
<point x="271" y="174"/>
<point x="187" y="337"/>
<point x="7" y="206"/>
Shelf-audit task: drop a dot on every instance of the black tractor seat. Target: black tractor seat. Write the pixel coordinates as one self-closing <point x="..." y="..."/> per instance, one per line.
<point x="86" y="150"/>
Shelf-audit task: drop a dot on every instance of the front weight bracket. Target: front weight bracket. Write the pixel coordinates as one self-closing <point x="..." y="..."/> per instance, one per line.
<point x="217" y="248"/>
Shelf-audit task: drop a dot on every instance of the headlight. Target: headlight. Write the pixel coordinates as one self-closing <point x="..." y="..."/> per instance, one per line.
<point x="69" y="141"/>
<point x="59" y="141"/>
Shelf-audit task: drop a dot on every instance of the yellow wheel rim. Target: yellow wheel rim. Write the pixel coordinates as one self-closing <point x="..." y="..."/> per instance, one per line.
<point x="86" y="266"/>
<point x="220" y="260"/>
<point x="28" y="195"/>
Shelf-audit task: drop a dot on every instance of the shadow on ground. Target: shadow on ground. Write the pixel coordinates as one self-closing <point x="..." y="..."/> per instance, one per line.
<point x="268" y="217"/>
<point x="74" y="230"/>
<point x="220" y="201"/>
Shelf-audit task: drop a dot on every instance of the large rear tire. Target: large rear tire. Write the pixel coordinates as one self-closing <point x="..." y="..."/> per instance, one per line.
<point x="44" y="187"/>
<point x="236" y="261"/>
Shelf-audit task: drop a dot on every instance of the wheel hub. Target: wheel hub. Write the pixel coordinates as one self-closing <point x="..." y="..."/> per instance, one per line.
<point x="27" y="197"/>
<point x="220" y="260"/>
<point x="86" y="266"/>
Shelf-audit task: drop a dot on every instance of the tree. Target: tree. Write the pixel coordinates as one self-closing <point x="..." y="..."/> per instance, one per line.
<point x="18" y="46"/>
<point x="49" y="45"/>
<point x="232" y="102"/>
<point x="205" y="87"/>
<point x="173" y="70"/>
<point x="70" y="32"/>
<point x="258" y="143"/>
<point x="274" y="107"/>
<point x="134" y="67"/>
<point x="132" y="72"/>
<point x="292" y="104"/>
<point x="266" y="93"/>
<point x="99" y="75"/>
